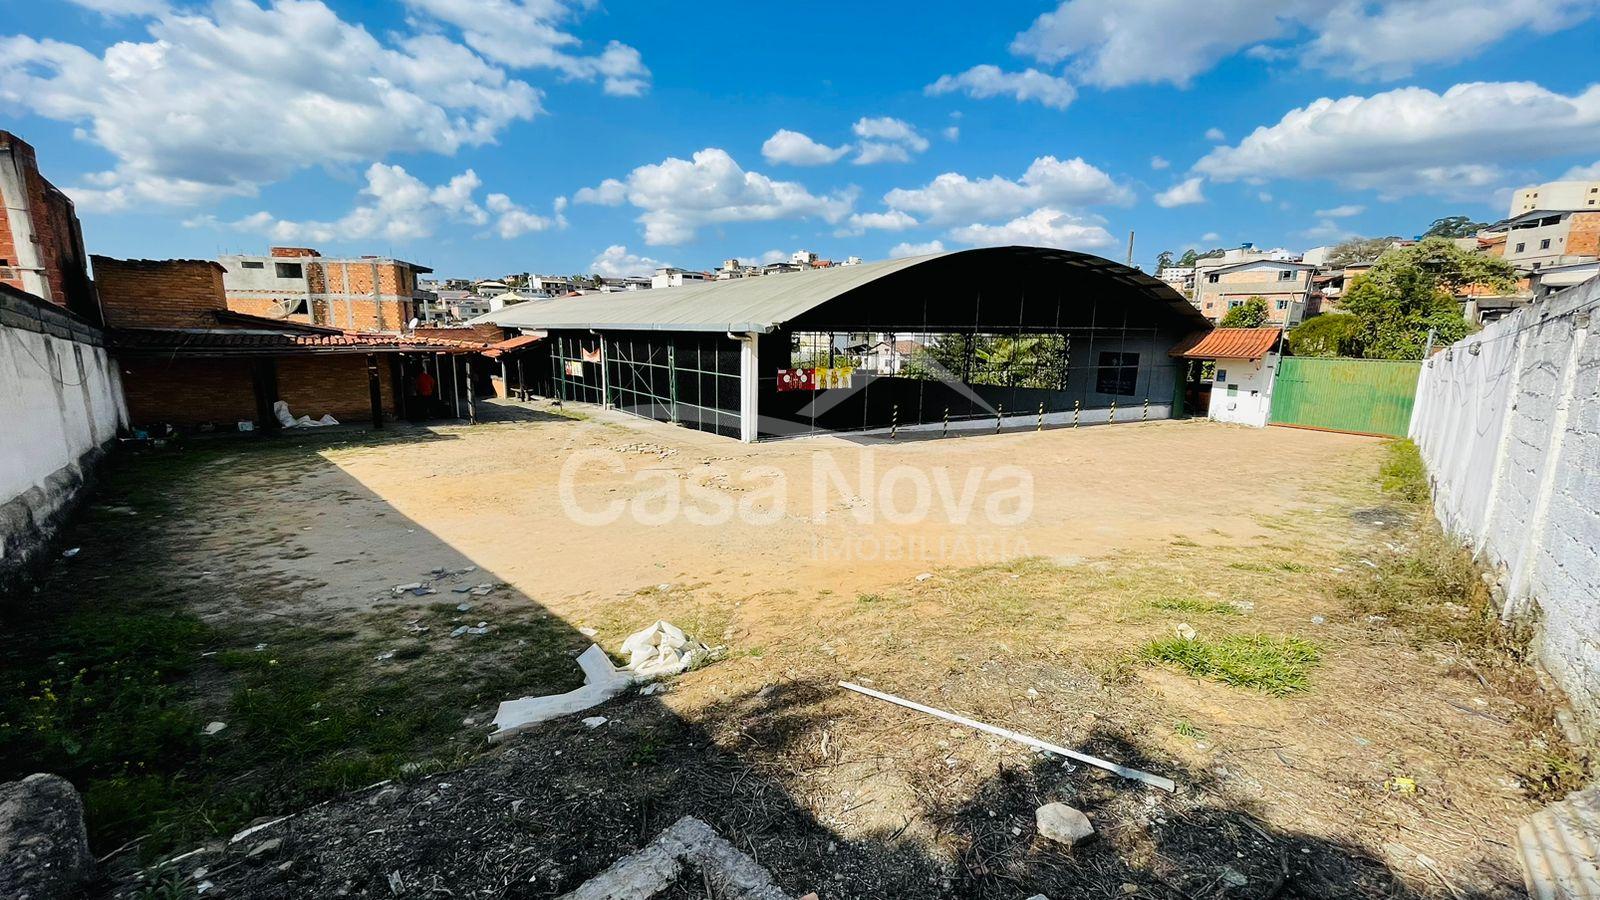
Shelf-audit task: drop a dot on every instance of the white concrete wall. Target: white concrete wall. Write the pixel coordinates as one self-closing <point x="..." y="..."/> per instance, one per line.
<point x="61" y="403"/>
<point x="1251" y="396"/>
<point x="1508" y="421"/>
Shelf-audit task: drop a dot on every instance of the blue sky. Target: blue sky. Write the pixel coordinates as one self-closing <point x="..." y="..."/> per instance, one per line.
<point x="491" y="136"/>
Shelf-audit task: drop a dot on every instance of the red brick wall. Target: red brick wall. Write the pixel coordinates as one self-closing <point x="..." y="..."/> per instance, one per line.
<point x="293" y="252"/>
<point x="58" y="237"/>
<point x="396" y="285"/>
<point x="167" y="293"/>
<point x="188" y="391"/>
<point x="1583" y="234"/>
<point x="318" y="385"/>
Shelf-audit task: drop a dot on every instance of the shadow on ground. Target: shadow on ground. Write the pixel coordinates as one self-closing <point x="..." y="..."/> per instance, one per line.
<point x="168" y="619"/>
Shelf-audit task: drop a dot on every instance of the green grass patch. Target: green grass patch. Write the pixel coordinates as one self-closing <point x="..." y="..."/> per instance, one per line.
<point x="1271" y="665"/>
<point x="1185" y="728"/>
<point x="1193" y="605"/>
<point x="1403" y="473"/>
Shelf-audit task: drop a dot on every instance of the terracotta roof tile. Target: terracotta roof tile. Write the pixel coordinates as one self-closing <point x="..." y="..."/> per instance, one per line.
<point x="289" y="341"/>
<point x="1228" y="343"/>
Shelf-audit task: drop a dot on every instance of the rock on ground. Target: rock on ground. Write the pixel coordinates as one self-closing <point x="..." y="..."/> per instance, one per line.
<point x="43" y="843"/>
<point x="1063" y="824"/>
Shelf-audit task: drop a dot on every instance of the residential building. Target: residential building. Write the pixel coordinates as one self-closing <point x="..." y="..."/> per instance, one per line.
<point x="1283" y="283"/>
<point x="550" y="285"/>
<point x="1544" y="238"/>
<point x="625" y="283"/>
<point x="299" y="284"/>
<point x="41" y="242"/>
<point x="1180" y="277"/>
<point x="672" y="276"/>
<point x="188" y="358"/>
<point x="1555" y="195"/>
<point x="1551" y="279"/>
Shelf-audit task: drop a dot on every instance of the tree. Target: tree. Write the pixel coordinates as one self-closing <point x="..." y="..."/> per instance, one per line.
<point x="1454" y="227"/>
<point x="1452" y="268"/>
<point x="1250" y="314"/>
<point x="1164" y="261"/>
<point x="1188" y="258"/>
<point x="1330" y="334"/>
<point x="1397" y="307"/>
<point x="1358" y="250"/>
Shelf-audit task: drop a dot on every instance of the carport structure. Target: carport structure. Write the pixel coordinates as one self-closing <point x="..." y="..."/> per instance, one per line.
<point x="983" y="338"/>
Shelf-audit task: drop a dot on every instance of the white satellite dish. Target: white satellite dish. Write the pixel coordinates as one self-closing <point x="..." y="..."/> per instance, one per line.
<point x="412" y="325"/>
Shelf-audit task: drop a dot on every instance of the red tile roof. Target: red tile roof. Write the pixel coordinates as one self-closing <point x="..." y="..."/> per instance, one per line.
<point x="1228" y="343"/>
<point x="509" y="344"/>
<point x="239" y="340"/>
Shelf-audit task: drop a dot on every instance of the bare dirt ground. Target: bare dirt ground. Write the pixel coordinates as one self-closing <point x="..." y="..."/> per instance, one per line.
<point x="1401" y="769"/>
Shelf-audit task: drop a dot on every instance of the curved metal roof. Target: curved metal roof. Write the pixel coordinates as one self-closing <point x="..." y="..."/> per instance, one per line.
<point x="766" y="303"/>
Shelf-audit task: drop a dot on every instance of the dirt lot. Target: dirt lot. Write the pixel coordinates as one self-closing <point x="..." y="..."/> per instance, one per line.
<point x="1359" y="734"/>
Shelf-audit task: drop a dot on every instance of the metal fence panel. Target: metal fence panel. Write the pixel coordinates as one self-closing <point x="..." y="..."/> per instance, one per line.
<point x="1362" y="396"/>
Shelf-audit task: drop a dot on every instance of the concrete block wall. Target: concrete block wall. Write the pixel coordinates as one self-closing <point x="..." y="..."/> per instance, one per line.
<point x="1508" y="421"/>
<point x="62" y="405"/>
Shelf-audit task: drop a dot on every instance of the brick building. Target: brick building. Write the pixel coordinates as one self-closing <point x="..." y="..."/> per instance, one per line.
<point x="299" y="284"/>
<point x="187" y="359"/>
<point x="41" y="242"/>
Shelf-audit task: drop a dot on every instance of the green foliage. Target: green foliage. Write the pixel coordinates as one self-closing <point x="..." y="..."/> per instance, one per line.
<point x="1164" y="261"/>
<point x="1252" y="313"/>
<point x="1190" y="257"/>
<point x="1454" y="227"/>
<point x="1450" y="267"/>
<point x="1404" y="474"/>
<point x="1271" y="665"/>
<point x="1029" y="360"/>
<point x="1191" y="605"/>
<point x="1359" y="250"/>
<point x="1397" y="307"/>
<point x="1330" y="334"/>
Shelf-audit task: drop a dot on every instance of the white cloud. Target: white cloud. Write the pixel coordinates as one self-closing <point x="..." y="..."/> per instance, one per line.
<point x="771" y="256"/>
<point x="1412" y="140"/>
<point x="1341" y="212"/>
<point x="1159" y="162"/>
<point x="1210" y="237"/>
<point x="1183" y="193"/>
<point x="1215" y="135"/>
<point x="616" y="262"/>
<point x="904" y="249"/>
<point x="1328" y="231"/>
<point x="952" y="132"/>
<point x="224" y="100"/>
<point x="1113" y="43"/>
<point x="1264" y="196"/>
<point x="991" y="81"/>
<point x="1044" y="227"/>
<point x="526" y="34"/>
<point x="797" y="149"/>
<point x="953" y="197"/>
<point x="397" y="206"/>
<point x="1582" y="173"/>
<point x="678" y="196"/>
<point x="893" y="220"/>
<point x="886" y="139"/>
<point x="124" y="7"/>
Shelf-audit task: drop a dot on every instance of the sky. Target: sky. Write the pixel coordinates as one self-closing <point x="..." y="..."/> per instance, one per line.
<point x="486" y="137"/>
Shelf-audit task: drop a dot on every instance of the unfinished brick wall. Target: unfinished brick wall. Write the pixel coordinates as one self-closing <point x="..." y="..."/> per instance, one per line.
<point x="293" y="252"/>
<point x="361" y="294"/>
<point x="56" y="236"/>
<point x="336" y="385"/>
<point x="1583" y="235"/>
<point x="490" y="333"/>
<point x="165" y="293"/>
<point x="188" y="391"/>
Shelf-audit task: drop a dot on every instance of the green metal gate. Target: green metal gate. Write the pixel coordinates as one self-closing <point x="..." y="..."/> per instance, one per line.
<point x="1362" y="396"/>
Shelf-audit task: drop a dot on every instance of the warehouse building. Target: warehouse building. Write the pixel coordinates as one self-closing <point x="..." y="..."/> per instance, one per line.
<point x="984" y="338"/>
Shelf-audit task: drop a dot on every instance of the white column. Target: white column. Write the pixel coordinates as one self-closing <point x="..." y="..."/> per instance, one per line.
<point x="14" y="194"/>
<point x="749" y="371"/>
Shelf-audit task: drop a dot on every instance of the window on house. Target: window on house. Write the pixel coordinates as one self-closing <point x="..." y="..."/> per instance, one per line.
<point x="1233" y="303"/>
<point x="1283" y="304"/>
<point x="1544" y="244"/>
<point x="1286" y="274"/>
<point x="1222" y="374"/>
<point x="252" y="264"/>
<point x="1521" y="247"/>
<point x="1213" y="279"/>
<point x="1119" y="374"/>
<point x="289" y="270"/>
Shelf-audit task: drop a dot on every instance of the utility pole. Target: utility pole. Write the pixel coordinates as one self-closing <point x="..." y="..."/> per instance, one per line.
<point x="1130" y="247"/>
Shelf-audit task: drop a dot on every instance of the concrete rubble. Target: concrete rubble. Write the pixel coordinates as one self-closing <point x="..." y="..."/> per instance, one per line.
<point x="688" y="844"/>
<point x="44" y="847"/>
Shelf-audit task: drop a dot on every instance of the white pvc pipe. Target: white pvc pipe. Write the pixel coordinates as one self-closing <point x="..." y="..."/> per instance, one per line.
<point x="1165" y="784"/>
